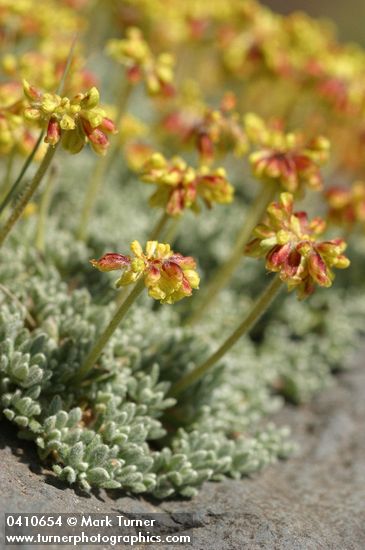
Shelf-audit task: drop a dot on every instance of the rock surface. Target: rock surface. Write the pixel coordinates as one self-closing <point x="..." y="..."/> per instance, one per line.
<point x="313" y="501"/>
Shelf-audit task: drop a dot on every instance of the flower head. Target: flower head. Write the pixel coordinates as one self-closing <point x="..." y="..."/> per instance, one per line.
<point x="286" y="158"/>
<point x="74" y="121"/>
<point x="289" y="243"/>
<point x="211" y="131"/>
<point x="347" y="205"/>
<point x="169" y="276"/>
<point x="179" y="186"/>
<point x="142" y="64"/>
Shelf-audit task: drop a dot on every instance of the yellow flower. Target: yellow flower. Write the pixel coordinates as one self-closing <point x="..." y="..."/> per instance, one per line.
<point x="285" y="158"/>
<point x="347" y="205"/>
<point x="169" y="276"/>
<point x="180" y="186"/>
<point x="135" y="53"/>
<point x="289" y="243"/>
<point x="74" y="121"/>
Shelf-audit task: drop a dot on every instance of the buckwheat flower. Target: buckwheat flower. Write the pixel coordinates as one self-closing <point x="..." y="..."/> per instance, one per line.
<point x="179" y="186"/>
<point x="289" y="243"/>
<point x="142" y="65"/>
<point x="339" y="80"/>
<point x="211" y="131"/>
<point x="347" y="205"/>
<point x="74" y="121"/>
<point x="286" y="158"/>
<point x="168" y="276"/>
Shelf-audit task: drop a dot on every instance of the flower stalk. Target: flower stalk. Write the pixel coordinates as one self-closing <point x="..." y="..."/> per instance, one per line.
<point x="28" y="193"/>
<point x="258" y="309"/>
<point x="11" y="192"/>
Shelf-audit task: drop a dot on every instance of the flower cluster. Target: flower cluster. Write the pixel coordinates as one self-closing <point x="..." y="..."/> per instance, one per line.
<point x="210" y="130"/>
<point x="135" y="53"/>
<point x="285" y="158"/>
<point x="347" y="205"/>
<point x="73" y="121"/>
<point x="289" y="243"/>
<point x="32" y="19"/>
<point x="179" y="186"/>
<point x="297" y="49"/>
<point x="169" y="276"/>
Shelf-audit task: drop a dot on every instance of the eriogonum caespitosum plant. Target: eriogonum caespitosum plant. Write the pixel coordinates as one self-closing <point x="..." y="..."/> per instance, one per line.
<point x="97" y="406"/>
<point x="179" y="186"/>
<point x="290" y="244"/>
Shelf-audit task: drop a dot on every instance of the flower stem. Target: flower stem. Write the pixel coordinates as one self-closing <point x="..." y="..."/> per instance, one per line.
<point x="159" y="227"/>
<point x="43" y="211"/>
<point x="104" y="338"/>
<point x="10" y="193"/>
<point x="9" y="169"/>
<point x="258" y="309"/>
<point x="28" y="193"/>
<point x="225" y="272"/>
<point x="102" y="166"/>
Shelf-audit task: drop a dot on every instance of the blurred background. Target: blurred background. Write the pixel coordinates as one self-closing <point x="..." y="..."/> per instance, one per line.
<point x="348" y="15"/>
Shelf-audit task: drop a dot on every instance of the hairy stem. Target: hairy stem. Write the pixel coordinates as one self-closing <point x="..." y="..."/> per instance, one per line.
<point x="258" y="309"/>
<point x="27" y="194"/>
<point x="223" y="274"/>
<point x="104" y="338"/>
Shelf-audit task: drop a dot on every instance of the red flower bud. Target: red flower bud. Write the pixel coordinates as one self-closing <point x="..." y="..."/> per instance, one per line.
<point x="111" y="262"/>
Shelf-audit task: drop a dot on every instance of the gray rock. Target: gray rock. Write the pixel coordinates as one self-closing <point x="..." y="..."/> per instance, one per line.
<point x="314" y="500"/>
